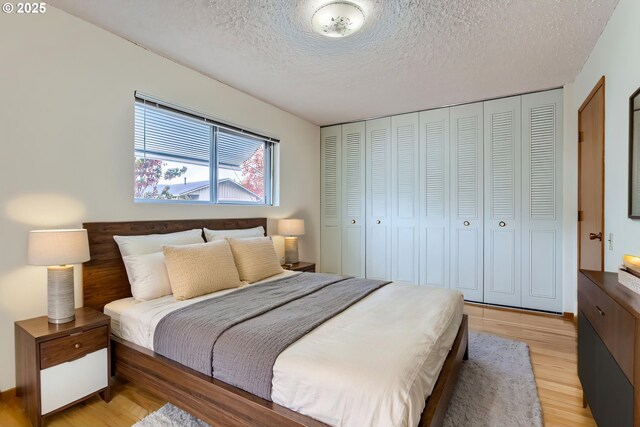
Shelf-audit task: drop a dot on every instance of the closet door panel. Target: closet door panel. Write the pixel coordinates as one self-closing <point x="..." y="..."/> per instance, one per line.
<point x="502" y="284"/>
<point x="542" y="200"/>
<point x="502" y="201"/>
<point x="353" y="199"/>
<point x="542" y="262"/>
<point x="468" y="252"/>
<point x="331" y="200"/>
<point x="466" y="226"/>
<point x="434" y="197"/>
<point x="404" y="198"/>
<point x="378" y="198"/>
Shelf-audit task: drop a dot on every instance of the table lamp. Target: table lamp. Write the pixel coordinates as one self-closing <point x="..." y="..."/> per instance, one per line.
<point x="291" y="229"/>
<point x="57" y="249"/>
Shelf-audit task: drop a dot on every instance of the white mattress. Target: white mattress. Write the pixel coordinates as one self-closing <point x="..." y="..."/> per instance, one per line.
<point x="373" y="364"/>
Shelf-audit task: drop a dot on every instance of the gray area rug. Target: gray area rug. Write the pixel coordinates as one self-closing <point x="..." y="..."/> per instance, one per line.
<point x="496" y="388"/>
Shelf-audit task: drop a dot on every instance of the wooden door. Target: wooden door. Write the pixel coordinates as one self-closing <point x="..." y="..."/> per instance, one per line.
<point x="405" y="203"/>
<point x="542" y="132"/>
<point x="502" y="201"/>
<point x="591" y="181"/>
<point x="330" y="200"/>
<point x="434" y="198"/>
<point x="378" y="198"/>
<point x="466" y="226"/>
<point x="353" y="209"/>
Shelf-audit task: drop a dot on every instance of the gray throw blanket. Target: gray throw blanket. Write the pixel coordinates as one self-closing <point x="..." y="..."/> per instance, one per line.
<point x="237" y="338"/>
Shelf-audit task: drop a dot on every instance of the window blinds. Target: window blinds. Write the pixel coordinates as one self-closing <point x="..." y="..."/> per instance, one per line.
<point x="167" y="135"/>
<point x="234" y="149"/>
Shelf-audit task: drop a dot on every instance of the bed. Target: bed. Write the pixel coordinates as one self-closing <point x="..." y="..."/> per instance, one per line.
<point x="294" y="383"/>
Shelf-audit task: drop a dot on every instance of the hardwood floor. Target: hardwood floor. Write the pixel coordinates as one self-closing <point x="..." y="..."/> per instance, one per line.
<point x="552" y="341"/>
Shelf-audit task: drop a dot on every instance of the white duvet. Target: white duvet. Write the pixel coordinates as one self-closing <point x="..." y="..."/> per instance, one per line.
<point x="372" y="365"/>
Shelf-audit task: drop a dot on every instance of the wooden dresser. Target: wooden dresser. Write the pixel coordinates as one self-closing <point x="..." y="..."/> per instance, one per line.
<point x="609" y="348"/>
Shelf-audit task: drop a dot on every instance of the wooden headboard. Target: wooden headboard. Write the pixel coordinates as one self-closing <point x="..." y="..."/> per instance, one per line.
<point x="104" y="278"/>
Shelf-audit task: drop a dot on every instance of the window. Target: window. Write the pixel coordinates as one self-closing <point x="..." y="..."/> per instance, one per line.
<point x="178" y="154"/>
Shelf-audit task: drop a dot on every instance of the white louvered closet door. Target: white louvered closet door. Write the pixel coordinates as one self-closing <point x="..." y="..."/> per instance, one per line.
<point x="353" y="208"/>
<point x="466" y="226"/>
<point x="542" y="125"/>
<point x="331" y="201"/>
<point x="502" y="201"/>
<point x="434" y="198"/>
<point x="378" y="198"/>
<point x="405" y="199"/>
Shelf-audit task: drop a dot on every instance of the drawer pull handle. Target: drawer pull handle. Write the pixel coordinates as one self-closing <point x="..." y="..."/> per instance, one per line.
<point x="600" y="311"/>
<point x="77" y="345"/>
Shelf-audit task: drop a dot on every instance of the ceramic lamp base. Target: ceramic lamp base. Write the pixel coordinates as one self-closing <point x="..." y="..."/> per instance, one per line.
<point x="291" y="250"/>
<point x="60" y="299"/>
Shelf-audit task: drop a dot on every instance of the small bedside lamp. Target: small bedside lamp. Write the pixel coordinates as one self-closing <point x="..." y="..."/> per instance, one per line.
<point x="56" y="249"/>
<point x="290" y="229"/>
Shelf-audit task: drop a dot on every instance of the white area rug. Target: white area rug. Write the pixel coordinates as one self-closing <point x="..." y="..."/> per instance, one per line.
<point x="496" y="388"/>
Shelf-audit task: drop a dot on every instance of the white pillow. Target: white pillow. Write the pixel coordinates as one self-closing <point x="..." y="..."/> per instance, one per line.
<point x="148" y="276"/>
<point x="212" y="235"/>
<point x="149" y="243"/>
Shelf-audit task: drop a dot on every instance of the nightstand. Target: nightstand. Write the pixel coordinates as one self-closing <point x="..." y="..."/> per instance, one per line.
<point x="309" y="267"/>
<point x="60" y="365"/>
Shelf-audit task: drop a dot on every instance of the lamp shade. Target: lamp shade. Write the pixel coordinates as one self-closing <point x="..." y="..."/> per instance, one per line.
<point x="58" y="247"/>
<point x="291" y="227"/>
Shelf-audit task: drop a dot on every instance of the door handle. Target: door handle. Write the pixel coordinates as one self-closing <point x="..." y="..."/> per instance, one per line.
<point x="594" y="236"/>
<point x="353" y="221"/>
<point x="466" y="223"/>
<point x="502" y="223"/>
<point x="377" y="221"/>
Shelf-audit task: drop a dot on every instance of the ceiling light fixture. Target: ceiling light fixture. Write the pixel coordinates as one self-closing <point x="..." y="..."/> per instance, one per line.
<point x="338" y="19"/>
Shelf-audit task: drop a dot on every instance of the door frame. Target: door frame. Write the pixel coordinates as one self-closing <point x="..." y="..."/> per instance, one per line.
<point x="599" y="85"/>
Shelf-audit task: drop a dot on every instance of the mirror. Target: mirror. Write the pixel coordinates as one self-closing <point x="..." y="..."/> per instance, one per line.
<point x="634" y="155"/>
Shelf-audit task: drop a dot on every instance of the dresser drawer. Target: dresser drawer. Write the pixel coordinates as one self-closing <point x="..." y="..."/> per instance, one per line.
<point x="67" y="382"/>
<point x="614" y="325"/>
<point x="72" y="347"/>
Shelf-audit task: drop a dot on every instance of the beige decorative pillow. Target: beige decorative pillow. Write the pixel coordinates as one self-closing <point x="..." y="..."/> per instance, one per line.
<point x="255" y="258"/>
<point x="200" y="269"/>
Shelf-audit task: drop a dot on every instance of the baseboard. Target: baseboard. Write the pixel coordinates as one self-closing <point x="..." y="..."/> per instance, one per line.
<point x="572" y="317"/>
<point x="7" y="394"/>
<point x="520" y="310"/>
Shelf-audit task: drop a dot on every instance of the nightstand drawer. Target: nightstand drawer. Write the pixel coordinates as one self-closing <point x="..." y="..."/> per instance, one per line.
<point x="72" y="347"/>
<point x="67" y="382"/>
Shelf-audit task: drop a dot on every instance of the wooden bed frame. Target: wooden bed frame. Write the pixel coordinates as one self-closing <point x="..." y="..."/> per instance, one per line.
<point x="213" y="401"/>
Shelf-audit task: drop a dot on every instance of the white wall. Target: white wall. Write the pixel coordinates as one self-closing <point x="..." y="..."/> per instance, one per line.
<point x="617" y="57"/>
<point x="66" y="138"/>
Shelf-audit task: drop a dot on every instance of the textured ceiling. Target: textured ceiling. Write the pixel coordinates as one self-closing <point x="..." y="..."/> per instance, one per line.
<point x="410" y="55"/>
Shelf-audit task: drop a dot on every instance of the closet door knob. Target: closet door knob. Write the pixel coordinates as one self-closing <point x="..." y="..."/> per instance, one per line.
<point x="377" y="221"/>
<point x="353" y="221"/>
<point x="502" y="223"/>
<point x="466" y="223"/>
